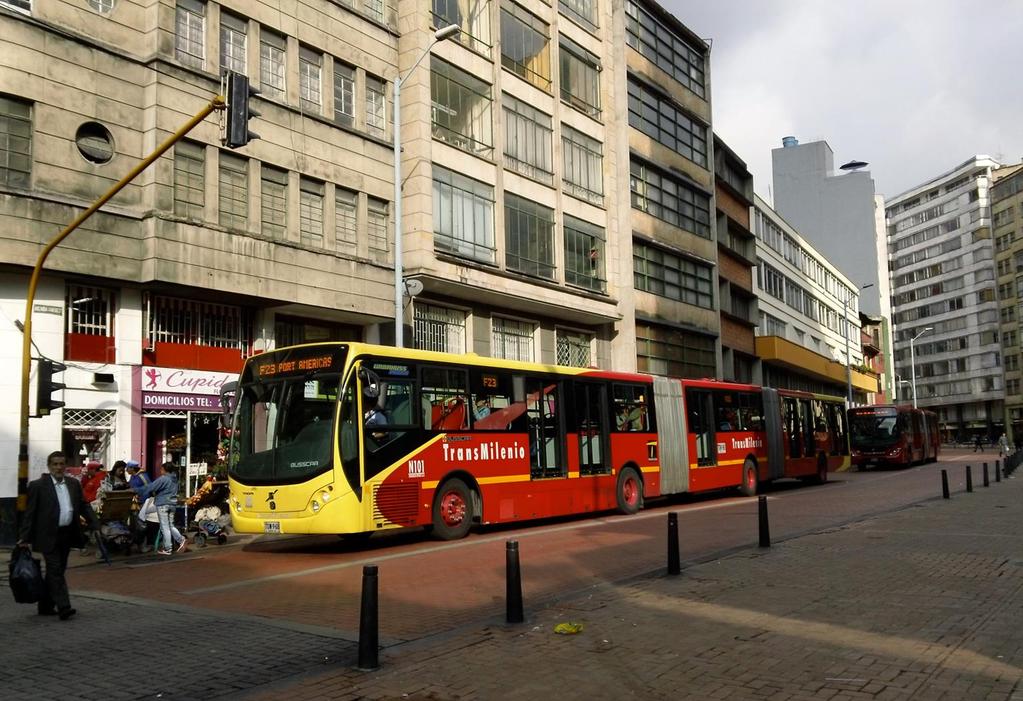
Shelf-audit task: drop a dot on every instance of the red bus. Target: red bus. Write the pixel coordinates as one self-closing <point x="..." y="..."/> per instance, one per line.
<point x="352" y="438"/>
<point x="889" y="435"/>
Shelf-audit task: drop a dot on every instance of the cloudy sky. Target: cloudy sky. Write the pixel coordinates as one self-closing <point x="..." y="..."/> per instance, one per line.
<point x="913" y="87"/>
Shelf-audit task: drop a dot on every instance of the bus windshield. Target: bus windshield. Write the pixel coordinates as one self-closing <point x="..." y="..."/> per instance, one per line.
<point x="874" y="430"/>
<point x="284" y="420"/>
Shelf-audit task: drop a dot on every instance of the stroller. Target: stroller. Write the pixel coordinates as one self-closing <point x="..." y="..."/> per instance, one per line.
<point x="209" y="523"/>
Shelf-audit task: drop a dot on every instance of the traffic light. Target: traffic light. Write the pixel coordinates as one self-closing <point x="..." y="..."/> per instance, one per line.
<point x="239" y="112"/>
<point x="45" y="403"/>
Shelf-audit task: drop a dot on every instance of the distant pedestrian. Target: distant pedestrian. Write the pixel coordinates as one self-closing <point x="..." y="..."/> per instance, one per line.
<point x="978" y="443"/>
<point x="1003" y="446"/>
<point x="164" y="490"/>
<point x="51" y="525"/>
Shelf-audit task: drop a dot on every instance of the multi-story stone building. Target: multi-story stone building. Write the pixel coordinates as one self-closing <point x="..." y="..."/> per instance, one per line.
<point x="1007" y="229"/>
<point x="737" y="252"/>
<point x="809" y="335"/>
<point x="518" y="138"/>
<point x="941" y="257"/>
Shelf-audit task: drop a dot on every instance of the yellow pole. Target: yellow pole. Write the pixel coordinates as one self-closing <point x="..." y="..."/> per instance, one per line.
<point x="217" y="103"/>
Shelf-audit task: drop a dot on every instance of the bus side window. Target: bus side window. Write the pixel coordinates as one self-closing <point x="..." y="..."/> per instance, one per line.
<point x="492" y="405"/>
<point x="630" y="408"/>
<point x="445" y="389"/>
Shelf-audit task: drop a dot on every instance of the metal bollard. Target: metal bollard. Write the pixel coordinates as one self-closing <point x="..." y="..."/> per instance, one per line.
<point x="765" y="527"/>
<point x="513" y="584"/>
<point x="984" y="476"/>
<point x="369" y="623"/>
<point x="944" y="484"/>
<point x="998" y="470"/>
<point x="969" y="478"/>
<point x="674" y="565"/>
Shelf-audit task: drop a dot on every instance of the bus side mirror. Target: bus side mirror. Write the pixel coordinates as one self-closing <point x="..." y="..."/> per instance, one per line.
<point x="227" y="394"/>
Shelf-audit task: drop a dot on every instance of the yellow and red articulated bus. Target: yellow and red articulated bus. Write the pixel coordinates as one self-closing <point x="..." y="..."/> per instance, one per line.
<point x="893" y="436"/>
<point x="350" y="438"/>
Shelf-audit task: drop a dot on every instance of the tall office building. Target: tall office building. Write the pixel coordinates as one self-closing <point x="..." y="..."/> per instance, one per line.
<point x="944" y="296"/>
<point x="843" y="218"/>
<point x="1007" y="229"/>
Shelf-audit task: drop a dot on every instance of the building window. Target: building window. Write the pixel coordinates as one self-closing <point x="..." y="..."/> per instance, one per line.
<point x="374" y="8"/>
<point x="666" y="351"/>
<point x="376" y="223"/>
<point x="310" y="212"/>
<point x="190" y="36"/>
<point x="580" y="78"/>
<point x="668" y="275"/>
<point x="528" y="140"/>
<point x="512" y="340"/>
<point x="185" y="321"/>
<point x="584" y="254"/>
<point x="669" y="198"/>
<point x="273" y="50"/>
<point x="664" y="48"/>
<point x="439" y="328"/>
<point x="584" y="12"/>
<point x="573" y="348"/>
<point x="309" y="69"/>
<point x="101" y="6"/>
<point x="376" y="120"/>
<point x="463" y="216"/>
<point x="346" y="219"/>
<point x="274" y="205"/>
<point x="583" y="174"/>
<point x="90" y="311"/>
<point x="461" y="109"/>
<point x="189" y="180"/>
<point x="665" y="122"/>
<point x="234" y="191"/>
<point x="232" y="43"/>
<point x="344" y="94"/>
<point x="94" y="142"/>
<point x="15" y="142"/>
<point x="472" y="16"/>
<point x="529" y="237"/>
<point x="525" y="45"/>
<point x="772" y="326"/>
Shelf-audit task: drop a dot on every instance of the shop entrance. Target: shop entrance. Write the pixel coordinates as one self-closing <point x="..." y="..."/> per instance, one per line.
<point x="182" y="439"/>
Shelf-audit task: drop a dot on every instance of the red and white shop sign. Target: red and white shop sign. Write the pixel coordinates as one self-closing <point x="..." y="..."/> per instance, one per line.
<point x="183" y="381"/>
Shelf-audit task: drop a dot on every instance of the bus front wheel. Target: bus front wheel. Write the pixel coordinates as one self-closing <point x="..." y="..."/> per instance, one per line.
<point x="749" y="478"/>
<point x="452" y="510"/>
<point x="630" y="491"/>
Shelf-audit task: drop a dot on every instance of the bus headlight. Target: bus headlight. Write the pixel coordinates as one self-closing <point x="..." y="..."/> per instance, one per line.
<point x="325" y="496"/>
<point x="316" y="506"/>
<point x="238" y="507"/>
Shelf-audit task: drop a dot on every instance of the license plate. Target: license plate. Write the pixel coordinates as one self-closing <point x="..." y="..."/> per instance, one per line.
<point x="271" y="526"/>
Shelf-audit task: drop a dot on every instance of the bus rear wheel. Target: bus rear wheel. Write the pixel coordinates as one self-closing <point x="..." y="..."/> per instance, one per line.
<point x="749" y="478"/>
<point x="630" y="491"/>
<point x="452" y="510"/>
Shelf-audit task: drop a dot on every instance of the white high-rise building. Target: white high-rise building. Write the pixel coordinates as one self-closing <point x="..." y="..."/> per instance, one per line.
<point x="941" y="257"/>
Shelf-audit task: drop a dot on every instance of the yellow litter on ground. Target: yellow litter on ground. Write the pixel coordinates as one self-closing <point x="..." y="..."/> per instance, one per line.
<point x="568" y="628"/>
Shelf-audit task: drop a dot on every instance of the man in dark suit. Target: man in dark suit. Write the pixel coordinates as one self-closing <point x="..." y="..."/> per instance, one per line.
<point x="51" y="523"/>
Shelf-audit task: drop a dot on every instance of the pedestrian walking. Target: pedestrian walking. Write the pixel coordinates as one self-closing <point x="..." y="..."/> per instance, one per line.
<point x="1003" y="446"/>
<point x="51" y="525"/>
<point x="164" y="490"/>
<point x="978" y="443"/>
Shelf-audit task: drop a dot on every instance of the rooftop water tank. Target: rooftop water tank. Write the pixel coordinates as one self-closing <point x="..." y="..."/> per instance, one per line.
<point x="789" y="141"/>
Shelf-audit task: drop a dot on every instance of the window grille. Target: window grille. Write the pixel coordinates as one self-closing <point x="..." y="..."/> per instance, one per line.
<point x="439" y="328"/>
<point x="190" y="35"/>
<point x="573" y="348"/>
<point x="15" y="142"/>
<point x="90" y="310"/>
<point x="513" y="340"/>
<point x="100" y="419"/>
<point x="174" y="320"/>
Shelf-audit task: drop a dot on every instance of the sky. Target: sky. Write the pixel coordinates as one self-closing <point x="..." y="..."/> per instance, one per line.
<point x="913" y="87"/>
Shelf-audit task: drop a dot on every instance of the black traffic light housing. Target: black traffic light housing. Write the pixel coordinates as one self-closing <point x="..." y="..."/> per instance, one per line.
<point x="239" y="112"/>
<point x="45" y="403"/>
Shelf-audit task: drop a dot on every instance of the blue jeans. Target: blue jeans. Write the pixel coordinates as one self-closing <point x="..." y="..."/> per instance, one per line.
<point x="167" y="528"/>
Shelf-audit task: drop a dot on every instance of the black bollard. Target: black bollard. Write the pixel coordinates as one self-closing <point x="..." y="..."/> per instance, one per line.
<point x="944" y="484"/>
<point x="984" y="476"/>
<point x="674" y="566"/>
<point x="765" y="527"/>
<point x="969" y="478"/>
<point x="513" y="584"/>
<point x="368" y="620"/>
<point x="998" y="470"/>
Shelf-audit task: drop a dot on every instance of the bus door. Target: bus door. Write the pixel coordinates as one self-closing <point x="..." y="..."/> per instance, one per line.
<point x="776" y="426"/>
<point x="700" y="413"/>
<point x="546" y="435"/>
<point x="806" y="426"/>
<point x="591" y="425"/>
<point x="793" y="426"/>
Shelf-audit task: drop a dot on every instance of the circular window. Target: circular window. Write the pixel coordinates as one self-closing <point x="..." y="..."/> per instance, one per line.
<point x="95" y="142"/>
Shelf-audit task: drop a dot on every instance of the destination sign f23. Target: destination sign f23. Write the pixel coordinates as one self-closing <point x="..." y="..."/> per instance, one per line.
<point x="276" y="365"/>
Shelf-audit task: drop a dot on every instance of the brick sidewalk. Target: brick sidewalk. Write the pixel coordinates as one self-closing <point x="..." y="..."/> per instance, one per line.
<point x="924" y="603"/>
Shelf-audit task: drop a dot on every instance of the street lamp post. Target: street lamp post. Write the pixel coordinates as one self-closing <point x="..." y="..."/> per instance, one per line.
<point x="848" y="332"/>
<point x="912" y="361"/>
<point x="399" y="271"/>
